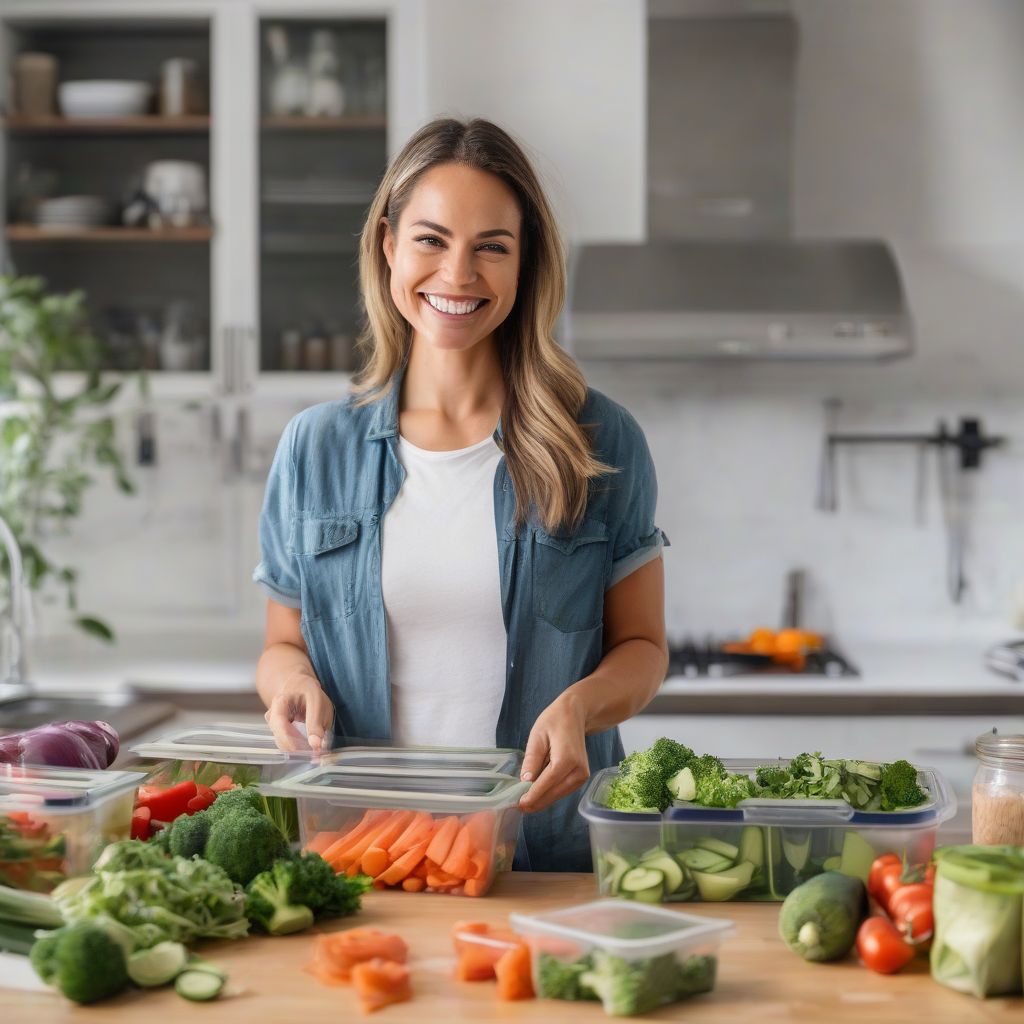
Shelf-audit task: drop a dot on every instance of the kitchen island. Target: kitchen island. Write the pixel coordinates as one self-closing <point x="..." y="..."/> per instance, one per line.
<point x="759" y="979"/>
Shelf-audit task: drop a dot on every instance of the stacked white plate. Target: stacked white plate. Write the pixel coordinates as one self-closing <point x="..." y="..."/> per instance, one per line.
<point x="72" y="212"/>
<point x="104" y="98"/>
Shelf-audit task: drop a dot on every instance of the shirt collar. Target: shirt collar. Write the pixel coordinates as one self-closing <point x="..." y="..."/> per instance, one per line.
<point x="384" y="415"/>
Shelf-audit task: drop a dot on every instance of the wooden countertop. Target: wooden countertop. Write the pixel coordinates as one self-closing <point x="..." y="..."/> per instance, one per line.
<point x="759" y="979"/>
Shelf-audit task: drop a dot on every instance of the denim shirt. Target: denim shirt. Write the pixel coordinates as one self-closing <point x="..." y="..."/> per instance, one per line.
<point x="333" y="479"/>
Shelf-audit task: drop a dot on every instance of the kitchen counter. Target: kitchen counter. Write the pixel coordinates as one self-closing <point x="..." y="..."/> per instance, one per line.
<point x="759" y="979"/>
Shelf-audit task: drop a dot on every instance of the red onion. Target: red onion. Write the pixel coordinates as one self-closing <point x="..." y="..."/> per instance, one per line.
<point x="63" y="745"/>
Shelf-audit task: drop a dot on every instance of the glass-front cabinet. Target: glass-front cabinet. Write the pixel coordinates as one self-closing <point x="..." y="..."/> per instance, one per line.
<point x="202" y="171"/>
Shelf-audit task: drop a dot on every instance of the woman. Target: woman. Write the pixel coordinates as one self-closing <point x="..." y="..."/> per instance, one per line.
<point x="463" y="552"/>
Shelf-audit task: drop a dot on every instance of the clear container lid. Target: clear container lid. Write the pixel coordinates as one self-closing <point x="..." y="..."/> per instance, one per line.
<point x="227" y="743"/>
<point x="940" y="807"/>
<point x="445" y="759"/>
<point x="435" y="791"/>
<point x="61" y="790"/>
<point x="632" y="931"/>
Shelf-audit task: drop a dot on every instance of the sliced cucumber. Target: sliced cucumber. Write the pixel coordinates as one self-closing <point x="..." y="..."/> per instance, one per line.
<point x="752" y="845"/>
<point x="199" y="986"/>
<point x="195" y="964"/>
<point x="684" y="893"/>
<point x="698" y="859"/>
<point x="159" y="965"/>
<point x="638" y="879"/>
<point x="831" y="863"/>
<point x="724" y="885"/>
<point x="718" y="846"/>
<point x="615" y="867"/>
<point x="857" y="857"/>
<point x="673" y="873"/>
<point x="796" y="848"/>
<point x="653" y="895"/>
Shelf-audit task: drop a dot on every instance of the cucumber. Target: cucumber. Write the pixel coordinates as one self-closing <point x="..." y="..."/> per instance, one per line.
<point x="831" y="863"/>
<point x="819" y="919"/>
<point x="857" y="856"/>
<point x="199" y="986"/>
<point x="638" y="879"/>
<point x="718" y="846"/>
<point x="797" y="850"/>
<point x="715" y="888"/>
<point x="653" y="895"/>
<point x="673" y="873"/>
<point x="195" y="964"/>
<point x="615" y="867"/>
<point x="159" y="965"/>
<point x="752" y="845"/>
<point x="684" y="893"/>
<point x="699" y="859"/>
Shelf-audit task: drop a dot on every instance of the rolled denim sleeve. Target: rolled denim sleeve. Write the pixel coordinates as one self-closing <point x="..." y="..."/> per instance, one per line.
<point x="277" y="573"/>
<point x="636" y="540"/>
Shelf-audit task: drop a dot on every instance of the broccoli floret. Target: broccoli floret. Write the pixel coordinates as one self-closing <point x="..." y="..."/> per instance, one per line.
<point x="627" y="987"/>
<point x="640" y="784"/>
<point x="898" y="786"/>
<point x="188" y="835"/>
<point x="558" y="979"/>
<point x="723" y="790"/>
<point x="81" y="960"/>
<point x="246" y="798"/>
<point x="696" y="975"/>
<point x="268" y="902"/>
<point x="683" y="785"/>
<point x="244" y="843"/>
<point x="772" y="778"/>
<point x="669" y="756"/>
<point x="325" y="893"/>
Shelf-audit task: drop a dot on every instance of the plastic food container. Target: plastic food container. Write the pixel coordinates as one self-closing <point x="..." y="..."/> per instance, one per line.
<point x="578" y="953"/>
<point x="54" y="822"/>
<point x="449" y="759"/>
<point x="761" y="850"/>
<point x="411" y="829"/>
<point x="246" y="755"/>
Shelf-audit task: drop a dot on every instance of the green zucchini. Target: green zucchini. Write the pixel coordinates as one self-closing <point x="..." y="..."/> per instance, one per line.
<point x="819" y="919"/>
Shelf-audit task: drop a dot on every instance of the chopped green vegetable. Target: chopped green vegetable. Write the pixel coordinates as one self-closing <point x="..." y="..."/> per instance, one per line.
<point x="188" y="834"/>
<point x="199" y="986"/>
<point x="627" y="987"/>
<point x="158" y="965"/>
<point x="559" y="979"/>
<point x="899" y="788"/>
<point x="724" y="790"/>
<point x="641" y="782"/>
<point x="243" y="843"/>
<point x="20" y="907"/>
<point x="82" y="961"/>
<point x="685" y="783"/>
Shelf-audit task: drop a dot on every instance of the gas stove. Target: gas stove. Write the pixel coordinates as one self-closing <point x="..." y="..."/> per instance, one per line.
<point x="707" y="658"/>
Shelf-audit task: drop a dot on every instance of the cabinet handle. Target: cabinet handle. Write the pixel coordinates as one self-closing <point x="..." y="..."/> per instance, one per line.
<point x="227" y="360"/>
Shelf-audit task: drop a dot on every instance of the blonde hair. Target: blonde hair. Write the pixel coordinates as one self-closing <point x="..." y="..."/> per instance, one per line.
<point x="548" y="453"/>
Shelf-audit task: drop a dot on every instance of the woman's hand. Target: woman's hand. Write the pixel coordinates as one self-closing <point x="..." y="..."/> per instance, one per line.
<point x="556" y="754"/>
<point x="300" y="698"/>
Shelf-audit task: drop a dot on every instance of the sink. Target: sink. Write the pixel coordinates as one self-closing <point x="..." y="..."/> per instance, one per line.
<point x="129" y="716"/>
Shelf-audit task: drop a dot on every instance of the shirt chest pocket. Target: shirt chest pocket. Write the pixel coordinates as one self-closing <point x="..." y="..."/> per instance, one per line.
<point x="568" y="576"/>
<point x="328" y="549"/>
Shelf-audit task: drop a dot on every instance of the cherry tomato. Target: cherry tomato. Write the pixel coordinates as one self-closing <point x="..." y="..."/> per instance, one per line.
<point x="910" y="908"/>
<point x="929" y="875"/>
<point x="890" y="879"/>
<point x="876" y="871"/>
<point x="881" y="946"/>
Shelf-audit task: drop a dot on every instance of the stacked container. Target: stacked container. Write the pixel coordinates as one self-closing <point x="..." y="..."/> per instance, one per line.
<point x="54" y="822"/>
<point x="631" y="957"/>
<point x="417" y="819"/>
<point x="760" y="850"/>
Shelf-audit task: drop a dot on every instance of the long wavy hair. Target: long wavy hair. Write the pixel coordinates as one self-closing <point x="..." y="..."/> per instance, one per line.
<point x="548" y="452"/>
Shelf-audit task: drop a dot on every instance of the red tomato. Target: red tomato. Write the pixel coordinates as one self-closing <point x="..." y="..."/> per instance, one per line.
<point x="911" y="911"/>
<point x="890" y="879"/>
<point x="881" y="946"/>
<point x="876" y="872"/>
<point x="929" y="875"/>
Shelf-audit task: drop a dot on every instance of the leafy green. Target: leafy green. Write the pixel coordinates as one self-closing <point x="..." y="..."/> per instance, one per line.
<point x="157" y="897"/>
<point x="627" y="987"/>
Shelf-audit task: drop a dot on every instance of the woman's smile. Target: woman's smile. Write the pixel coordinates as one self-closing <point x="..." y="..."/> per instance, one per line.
<point x="452" y="309"/>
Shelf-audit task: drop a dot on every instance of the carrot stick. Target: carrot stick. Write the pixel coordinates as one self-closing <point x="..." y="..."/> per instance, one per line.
<point x="476" y="886"/>
<point x="402" y="868"/>
<point x="481" y="829"/>
<point x="414" y="884"/>
<point x="383" y="836"/>
<point x="441" y="844"/>
<point x="369" y="820"/>
<point x="374" y="861"/>
<point x="421" y="827"/>
<point x="480" y="865"/>
<point x="321" y="841"/>
<point x="458" y="860"/>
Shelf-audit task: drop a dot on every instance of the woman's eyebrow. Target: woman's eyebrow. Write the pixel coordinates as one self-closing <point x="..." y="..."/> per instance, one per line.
<point x="493" y="233"/>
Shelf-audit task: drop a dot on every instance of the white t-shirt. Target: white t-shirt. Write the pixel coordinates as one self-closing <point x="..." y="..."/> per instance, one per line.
<point x="442" y="598"/>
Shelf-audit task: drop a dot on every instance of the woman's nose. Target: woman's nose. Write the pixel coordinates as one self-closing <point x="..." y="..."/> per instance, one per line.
<point x="459" y="269"/>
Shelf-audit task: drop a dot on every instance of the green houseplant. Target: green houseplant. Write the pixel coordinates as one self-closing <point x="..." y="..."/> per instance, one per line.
<point x="52" y="440"/>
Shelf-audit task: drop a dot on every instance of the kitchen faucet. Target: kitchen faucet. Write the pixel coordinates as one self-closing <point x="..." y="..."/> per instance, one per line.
<point x="17" y="668"/>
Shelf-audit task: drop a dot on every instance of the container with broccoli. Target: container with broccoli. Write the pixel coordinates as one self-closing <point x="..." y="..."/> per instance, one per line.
<point x="668" y="825"/>
<point x="632" y="959"/>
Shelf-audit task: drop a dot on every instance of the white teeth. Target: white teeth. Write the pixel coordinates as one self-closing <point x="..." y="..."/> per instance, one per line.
<point x="445" y="306"/>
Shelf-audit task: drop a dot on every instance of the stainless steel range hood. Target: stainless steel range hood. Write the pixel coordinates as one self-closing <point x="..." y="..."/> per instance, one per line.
<point x="721" y="275"/>
<point x="737" y="300"/>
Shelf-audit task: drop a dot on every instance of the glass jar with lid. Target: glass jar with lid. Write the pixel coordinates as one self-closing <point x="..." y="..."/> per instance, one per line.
<point x="997" y="797"/>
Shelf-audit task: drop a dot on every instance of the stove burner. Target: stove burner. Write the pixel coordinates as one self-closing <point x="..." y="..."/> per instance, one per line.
<point x="695" y="659"/>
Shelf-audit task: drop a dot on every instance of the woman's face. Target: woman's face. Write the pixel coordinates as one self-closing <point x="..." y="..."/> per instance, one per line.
<point x="455" y="257"/>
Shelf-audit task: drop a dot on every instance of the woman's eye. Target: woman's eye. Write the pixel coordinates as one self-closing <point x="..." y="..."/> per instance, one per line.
<point x="494" y="247"/>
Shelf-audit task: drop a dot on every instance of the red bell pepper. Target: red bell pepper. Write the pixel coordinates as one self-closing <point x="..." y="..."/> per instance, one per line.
<point x="141" y="817"/>
<point x="203" y="798"/>
<point x="223" y="784"/>
<point x="171" y="802"/>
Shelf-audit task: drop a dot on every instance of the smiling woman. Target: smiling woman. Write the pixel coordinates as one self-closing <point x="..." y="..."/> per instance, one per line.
<point x="463" y="552"/>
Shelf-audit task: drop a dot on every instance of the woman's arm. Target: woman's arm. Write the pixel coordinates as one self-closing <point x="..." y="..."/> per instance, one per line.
<point x="287" y="684"/>
<point x="625" y="681"/>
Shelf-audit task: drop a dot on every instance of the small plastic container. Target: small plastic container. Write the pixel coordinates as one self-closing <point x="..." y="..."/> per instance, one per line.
<point x="759" y="851"/>
<point x="670" y="955"/>
<point x="55" y="822"/>
<point x="411" y="829"/>
<point x="248" y="755"/>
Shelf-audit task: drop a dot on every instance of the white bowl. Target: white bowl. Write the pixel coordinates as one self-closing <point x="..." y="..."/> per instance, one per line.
<point x="102" y="98"/>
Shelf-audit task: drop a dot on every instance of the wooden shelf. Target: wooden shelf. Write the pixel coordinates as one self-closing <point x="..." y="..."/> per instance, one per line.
<point x="324" y="124"/>
<point x="143" y="125"/>
<point x="31" y="233"/>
